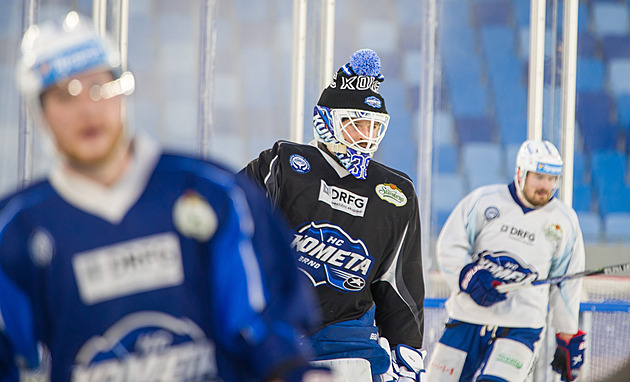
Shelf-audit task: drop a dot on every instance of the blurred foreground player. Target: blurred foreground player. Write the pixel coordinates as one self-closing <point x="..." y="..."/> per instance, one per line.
<point x="502" y="234"/>
<point x="133" y="265"/>
<point x="357" y="230"/>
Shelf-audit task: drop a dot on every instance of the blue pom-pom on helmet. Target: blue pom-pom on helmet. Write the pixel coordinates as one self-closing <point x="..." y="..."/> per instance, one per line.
<point x="365" y="62"/>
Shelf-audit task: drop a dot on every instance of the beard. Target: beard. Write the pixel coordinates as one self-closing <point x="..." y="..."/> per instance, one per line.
<point x="536" y="197"/>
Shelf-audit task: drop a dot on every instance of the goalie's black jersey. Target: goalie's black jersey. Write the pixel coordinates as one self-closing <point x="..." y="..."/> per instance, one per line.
<point x="357" y="241"/>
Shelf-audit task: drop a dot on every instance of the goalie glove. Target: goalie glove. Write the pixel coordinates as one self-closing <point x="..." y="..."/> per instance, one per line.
<point x="479" y="283"/>
<point x="569" y="356"/>
<point x="407" y="364"/>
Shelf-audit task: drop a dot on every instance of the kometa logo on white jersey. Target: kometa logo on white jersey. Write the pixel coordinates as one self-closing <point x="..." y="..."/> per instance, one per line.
<point x="342" y="200"/>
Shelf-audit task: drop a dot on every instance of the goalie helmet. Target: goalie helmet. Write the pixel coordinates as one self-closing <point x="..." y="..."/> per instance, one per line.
<point x="350" y="116"/>
<point x="541" y="157"/>
<point x="59" y="49"/>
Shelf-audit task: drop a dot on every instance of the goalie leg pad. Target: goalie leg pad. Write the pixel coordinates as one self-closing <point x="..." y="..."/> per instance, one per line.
<point x="446" y="364"/>
<point x="508" y="361"/>
<point x="348" y="369"/>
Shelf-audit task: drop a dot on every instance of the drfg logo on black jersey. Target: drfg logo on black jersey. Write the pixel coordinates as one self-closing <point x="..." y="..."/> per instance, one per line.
<point x="328" y="255"/>
<point x="342" y="200"/>
<point x="505" y="266"/>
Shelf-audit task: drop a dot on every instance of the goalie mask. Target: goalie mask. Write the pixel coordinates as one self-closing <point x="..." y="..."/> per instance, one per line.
<point x="540" y="157"/>
<point x="350" y="117"/>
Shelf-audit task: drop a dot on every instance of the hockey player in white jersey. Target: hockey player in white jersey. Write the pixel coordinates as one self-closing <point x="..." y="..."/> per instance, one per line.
<point x="131" y="264"/>
<point x="502" y="234"/>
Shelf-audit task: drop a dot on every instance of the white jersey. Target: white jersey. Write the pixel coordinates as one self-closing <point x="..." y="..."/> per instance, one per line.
<point x="521" y="243"/>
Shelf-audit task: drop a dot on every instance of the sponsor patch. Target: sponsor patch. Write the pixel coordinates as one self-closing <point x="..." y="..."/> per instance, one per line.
<point x="550" y="169"/>
<point x="41" y="247"/>
<point x="391" y="193"/>
<point x="373" y="101"/>
<point x="147" y="346"/>
<point x="328" y="255"/>
<point x="491" y="213"/>
<point x="342" y="200"/>
<point x="129" y="267"/>
<point x="554" y="232"/>
<point x="193" y="217"/>
<point x="518" y="234"/>
<point x="299" y="164"/>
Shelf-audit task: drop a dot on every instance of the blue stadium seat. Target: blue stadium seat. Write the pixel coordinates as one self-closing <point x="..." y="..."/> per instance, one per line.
<point x="623" y="113"/>
<point x="482" y="163"/>
<point x="492" y="12"/>
<point x="446" y="159"/>
<point x="619" y="76"/>
<point x="581" y="173"/>
<point x="617" y="228"/>
<point x="510" y="107"/>
<point x="475" y="129"/>
<point x="443" y="128"/>
<point x="591" y="225"/>
<point x="610" y="18"/>
<point x="412" y="64"/>
<point x="615" y="47"/>
<point x="608" y="171"/>
<point x="587" y="44"/>
<point x="608" y="167"/>
<point x="446" y="191"/>
<point x="468" y="99"/>
<point x="590" y="74"/>
<point x="613" y="197"/>
<point x="582" y="197"/>
<point x="458" y="13"/>
<point x="603" y="137"/>
<point x="593" y="113"/>
<point x="521" y="12"/>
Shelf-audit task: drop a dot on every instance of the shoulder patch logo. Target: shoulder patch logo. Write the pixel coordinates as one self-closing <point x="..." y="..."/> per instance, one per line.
<point x="554" y="232"/>
<point x="299" y="164"/>
<point x="41" y="246"/>
<point x="194" y="217"/>
<point x="491" y="213"/>
<point x="391" y="193"/>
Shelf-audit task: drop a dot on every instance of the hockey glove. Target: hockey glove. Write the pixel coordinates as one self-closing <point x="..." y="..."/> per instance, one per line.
<point x="407" y="364"/>
<point x="479" y="283"/>
<point x="569" y="356"/>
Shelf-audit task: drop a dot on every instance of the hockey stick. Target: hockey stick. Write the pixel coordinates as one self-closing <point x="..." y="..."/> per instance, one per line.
<point x="502" y="288"/>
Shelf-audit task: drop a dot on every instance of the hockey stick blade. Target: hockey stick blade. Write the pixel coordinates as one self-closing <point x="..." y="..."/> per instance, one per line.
<point x="558" y="279"/>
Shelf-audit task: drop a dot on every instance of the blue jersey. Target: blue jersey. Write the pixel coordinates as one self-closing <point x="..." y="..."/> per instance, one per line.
<point x="178" y="272"/>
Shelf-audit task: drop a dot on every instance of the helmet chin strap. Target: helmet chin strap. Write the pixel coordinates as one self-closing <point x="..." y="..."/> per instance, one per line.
<point x="519" y="190"/>
<point x="336" y="147"/>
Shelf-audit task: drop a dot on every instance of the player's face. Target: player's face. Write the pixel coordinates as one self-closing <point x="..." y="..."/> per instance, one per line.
<point x="360" y="131"/>
<point x="85" y="131"/>
<point x="538" y="188"/>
